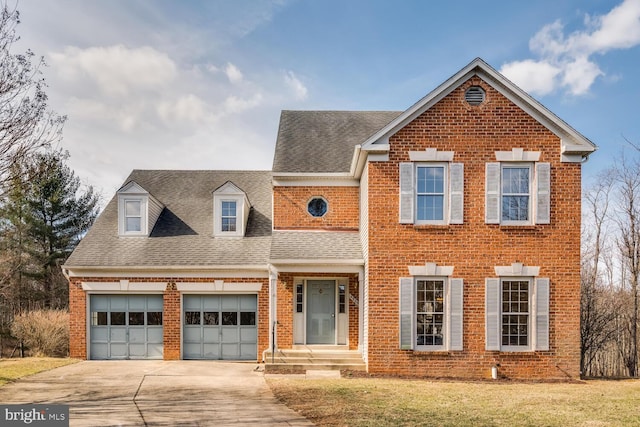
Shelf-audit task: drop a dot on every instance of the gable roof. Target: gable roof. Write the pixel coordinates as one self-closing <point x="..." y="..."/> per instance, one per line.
<point x="323" y="141"/>
<point x="573" y="142"/>
<point x="183" y="234"/>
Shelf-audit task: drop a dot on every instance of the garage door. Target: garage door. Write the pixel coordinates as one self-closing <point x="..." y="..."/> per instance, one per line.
<point x="126" y="327"/>
<point x="220" y="327"/>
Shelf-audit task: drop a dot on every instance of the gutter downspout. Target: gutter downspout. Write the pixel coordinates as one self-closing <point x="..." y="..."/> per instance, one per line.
<point x="273" y="320"/>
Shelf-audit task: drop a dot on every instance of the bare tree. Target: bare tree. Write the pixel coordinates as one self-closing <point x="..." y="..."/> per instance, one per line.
<point x="26" y="123"/>
<point x="627" y="178"/>
<point x="598" y="312"/>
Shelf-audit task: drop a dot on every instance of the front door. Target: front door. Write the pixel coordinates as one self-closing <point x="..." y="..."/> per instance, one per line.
<point x="321" y="312"/>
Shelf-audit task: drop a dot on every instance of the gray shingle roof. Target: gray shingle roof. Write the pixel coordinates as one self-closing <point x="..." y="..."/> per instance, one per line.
<point x="315" y="245"/>
<point x="323" y="141"/>
<point x="183" y="234"/>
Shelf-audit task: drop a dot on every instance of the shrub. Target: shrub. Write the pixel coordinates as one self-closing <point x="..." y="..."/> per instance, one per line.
<point x="44" y="332"/>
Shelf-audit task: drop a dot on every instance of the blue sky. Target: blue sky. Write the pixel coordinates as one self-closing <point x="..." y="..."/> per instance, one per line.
<point x="200" y="84"/>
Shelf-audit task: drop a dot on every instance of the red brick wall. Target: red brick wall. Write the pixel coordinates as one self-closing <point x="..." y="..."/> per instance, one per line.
<point x="474" y="248"/>
<point x="290" y="208"/>
<point x="171" y="312"/>
<point x="77" y="320"/>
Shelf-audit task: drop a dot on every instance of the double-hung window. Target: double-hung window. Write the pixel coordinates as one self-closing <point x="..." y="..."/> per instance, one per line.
<point x="430" y="313"/>
<point x="430" y="193"/>
<point x="431" y="189"/>
<point x="229" y="216"/>
<point x="517" y="313"/>
<point x="517" y="189"/>
<point x="133" y="216"/>
<point x="516" y="194"/>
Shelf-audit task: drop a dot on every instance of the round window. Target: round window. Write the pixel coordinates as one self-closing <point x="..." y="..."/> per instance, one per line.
<point x="317" y="207"/>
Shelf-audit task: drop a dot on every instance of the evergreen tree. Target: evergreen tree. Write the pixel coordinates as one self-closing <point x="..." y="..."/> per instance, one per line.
<point x="59" y="213"/>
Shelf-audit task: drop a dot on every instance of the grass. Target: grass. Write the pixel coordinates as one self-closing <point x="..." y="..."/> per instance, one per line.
<point x="401" y="402"/>
<point x="12" y="369"/>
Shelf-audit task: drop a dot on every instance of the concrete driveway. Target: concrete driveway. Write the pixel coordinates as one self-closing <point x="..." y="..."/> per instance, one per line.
<point x="157" y="393"/>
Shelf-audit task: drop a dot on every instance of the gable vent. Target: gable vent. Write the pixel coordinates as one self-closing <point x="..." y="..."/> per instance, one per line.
<point x="474" y="95"/>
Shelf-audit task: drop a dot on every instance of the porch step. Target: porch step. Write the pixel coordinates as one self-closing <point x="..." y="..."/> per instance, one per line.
<point x="298" y="359"/>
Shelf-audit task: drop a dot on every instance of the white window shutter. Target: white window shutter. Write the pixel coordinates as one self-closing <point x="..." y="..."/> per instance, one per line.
<point x="542" y="314"/>
<point x="492" y="313"/>
<point x="456" y="197"/>
<point x="492" y="193"/>
<point x="543" y="193"/>
<point x="406" y="193"/>
<point x="407" y="314"/>
<point x="455" y="314"/>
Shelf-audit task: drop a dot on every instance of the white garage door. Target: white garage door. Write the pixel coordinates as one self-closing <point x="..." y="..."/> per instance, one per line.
<point x="220" y="327"/>
<point x="126" y="327"/>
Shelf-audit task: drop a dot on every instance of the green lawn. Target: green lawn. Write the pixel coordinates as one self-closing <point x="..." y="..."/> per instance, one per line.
<point x="12" y="369"/>
<point x="401" y="402"/>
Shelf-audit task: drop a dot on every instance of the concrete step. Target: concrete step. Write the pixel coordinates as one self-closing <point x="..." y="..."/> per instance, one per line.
<point x="305" y="358"/>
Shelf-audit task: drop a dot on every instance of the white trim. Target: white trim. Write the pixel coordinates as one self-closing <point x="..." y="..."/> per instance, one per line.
<point x="517" y="155"/>
<point x="431" y="269"/>
<point x="517" y="270"/>
<point x="309" y="179"/>
<point x="125" y="286"/>
<point x="328" y="267"/>
<point x="219" y="286"/>
<point x="225" y="271"/>
<point x="431" y="155"/>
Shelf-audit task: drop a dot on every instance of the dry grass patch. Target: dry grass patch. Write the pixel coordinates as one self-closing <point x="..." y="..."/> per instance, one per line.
<point x="12" y="369"/>
<point x="399" y="402"/>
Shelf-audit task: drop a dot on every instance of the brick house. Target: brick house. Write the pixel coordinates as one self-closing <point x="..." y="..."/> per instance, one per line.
<point x="438" y="241"/>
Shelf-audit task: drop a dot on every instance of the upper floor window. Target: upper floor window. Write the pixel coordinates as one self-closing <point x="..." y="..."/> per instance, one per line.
<point x="133" y="216"/>
<point x="317" y="207"/>
<point x="430" y="193"/>
<point x="230" y="211"/>
<point x="229" y="217"/>
<point x="518" y="189"/>
<point x="516" y="193"/>
<point x="138" y="210"/>
<point x="431" y="188"/>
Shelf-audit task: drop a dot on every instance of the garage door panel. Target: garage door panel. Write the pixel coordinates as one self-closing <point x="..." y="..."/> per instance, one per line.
<point x="248" y="351"/>
<point x="248" y="303"/>
<point x="99" y="334"/>
<point x="137" y="335"/>
<point x="211" y="351"/>
<point x="137" y="351"/>
<point x="126" y="326"/>
<point x="248" y="335"/>
<point x="155" y="335"/>
<point x="230" y="335"/>
<point x="192" y="350"/>
<point x="211" y="335"/>
<point x="222" y="320"/>
<point x="154" y="351"/>
<point x="118" y="335"/>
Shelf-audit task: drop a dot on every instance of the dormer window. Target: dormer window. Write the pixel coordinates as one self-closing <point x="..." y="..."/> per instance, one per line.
<point x="133" y="216"/>
<point x="230" y="211"/>
<point x="229" y="218"/>
<point x="138" y="210"/>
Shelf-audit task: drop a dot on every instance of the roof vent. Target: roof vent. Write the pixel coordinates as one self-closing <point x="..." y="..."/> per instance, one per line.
<point x="474" y="95"/>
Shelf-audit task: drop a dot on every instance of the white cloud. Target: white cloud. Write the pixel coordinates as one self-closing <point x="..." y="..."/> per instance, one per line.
<point x="234" y="104"/>
<point x="116" y="70"/>
<point x="187" y="108"/>
<point x="566" y="62"/>
<point x="233" y="73"/>
<point x="299" y="89"/>
<point x="532" y="76"/>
